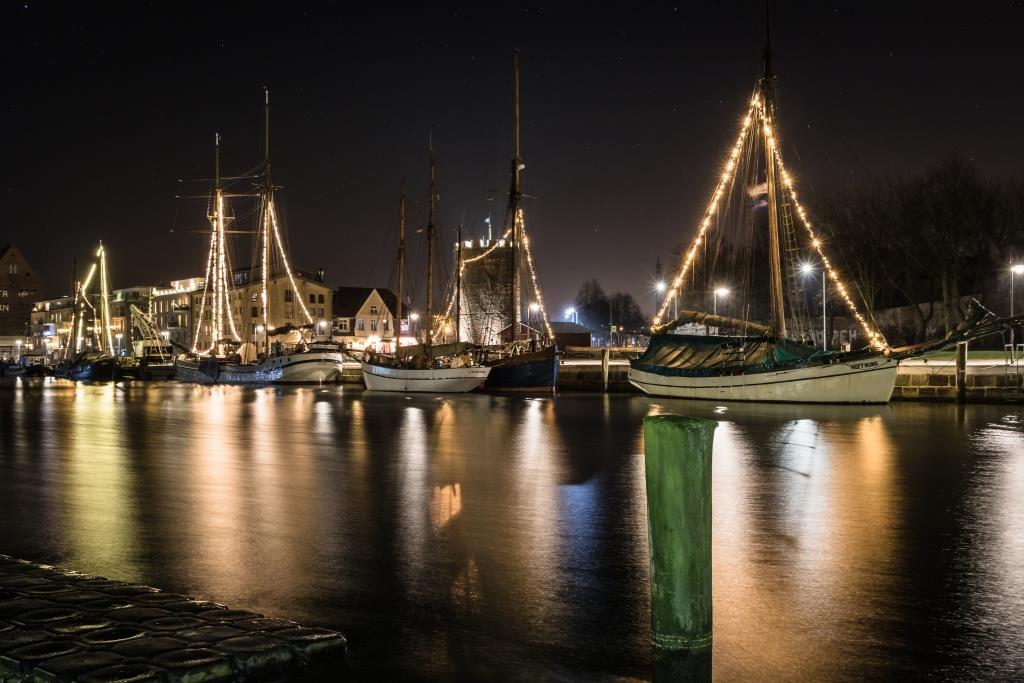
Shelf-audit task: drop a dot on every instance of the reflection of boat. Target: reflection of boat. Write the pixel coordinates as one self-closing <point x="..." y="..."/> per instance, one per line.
<point x="427" y="368"/>
<point x="300" y="359"/>
<point x="764" y="362"/>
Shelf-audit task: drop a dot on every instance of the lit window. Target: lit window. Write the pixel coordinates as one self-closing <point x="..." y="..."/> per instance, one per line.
<point x="361" y="325"/>
<point x="373" y="325"/>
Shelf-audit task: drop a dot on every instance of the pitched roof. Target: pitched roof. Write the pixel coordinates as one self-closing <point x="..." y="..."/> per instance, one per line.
<point x="568" y="328"/>
<point x="348" y="300"/>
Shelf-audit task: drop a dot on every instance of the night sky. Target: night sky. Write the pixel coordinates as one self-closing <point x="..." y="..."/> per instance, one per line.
<point x="626" y="118"/>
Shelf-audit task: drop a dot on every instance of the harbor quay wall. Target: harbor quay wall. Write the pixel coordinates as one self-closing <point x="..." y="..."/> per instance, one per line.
<point x="984" y="384"/>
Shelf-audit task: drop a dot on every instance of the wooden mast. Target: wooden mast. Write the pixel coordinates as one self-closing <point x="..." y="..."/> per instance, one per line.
<point x="515" y="205"/>
<point x="431" y="209"/>
<point x="458" y="284"/>
<point x="401" y="270"/>
<point x="268" y="206"/>
<point x="217" y="294"/>
<point x="774" y="241"/>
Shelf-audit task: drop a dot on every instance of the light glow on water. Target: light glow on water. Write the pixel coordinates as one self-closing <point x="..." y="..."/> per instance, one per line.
<point x="484" y="537"/>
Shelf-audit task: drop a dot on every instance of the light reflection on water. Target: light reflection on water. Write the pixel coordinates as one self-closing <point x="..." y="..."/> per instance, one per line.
<point x="505" y="537"/>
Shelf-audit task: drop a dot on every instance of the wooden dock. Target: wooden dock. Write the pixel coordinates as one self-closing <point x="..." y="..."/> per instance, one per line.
<point x="58" y="625"/>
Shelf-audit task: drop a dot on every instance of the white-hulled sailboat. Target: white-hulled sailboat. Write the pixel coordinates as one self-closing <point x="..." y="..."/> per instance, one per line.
<point x="762" y="362"/>
<point x="308" y="361"/>
<point x="425" y="368"/>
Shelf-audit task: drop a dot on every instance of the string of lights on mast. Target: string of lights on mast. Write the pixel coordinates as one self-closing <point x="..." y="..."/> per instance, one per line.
<point x="758" y="111"/>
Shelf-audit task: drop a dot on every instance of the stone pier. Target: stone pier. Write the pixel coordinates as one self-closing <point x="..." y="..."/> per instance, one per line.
<point x="58" y="625"/>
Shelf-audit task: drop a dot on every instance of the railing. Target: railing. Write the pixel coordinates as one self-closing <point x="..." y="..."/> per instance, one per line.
<point x="597" y="352"/>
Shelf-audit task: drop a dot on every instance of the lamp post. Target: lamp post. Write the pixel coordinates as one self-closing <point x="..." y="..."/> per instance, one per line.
<point x="807" y="269"/>
<point x="17" y="345"/>
<point x="1015" y="269"/>
<point x="413" y="317"/>
<point x="118" y="337"/>
<point x="534" y="307"/>
<point x="659" y="292"/>
<point x="719" y="292"/>
<point x="322" y="326"/>
<point x="570" y="313"/>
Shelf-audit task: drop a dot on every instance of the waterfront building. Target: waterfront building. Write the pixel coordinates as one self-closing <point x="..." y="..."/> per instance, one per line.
<point x="286" y="302"/>
<point x="365" y="317"/>
<point x="486" y="290"/>
<point x="19" y="287"/>
<point x="570" y="334"/>
<point x="171" y="307"/>
<point x="50" y="327"/>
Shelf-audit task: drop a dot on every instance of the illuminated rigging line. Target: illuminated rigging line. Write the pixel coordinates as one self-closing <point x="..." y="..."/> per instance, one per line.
<point x="691" y="252"/>
<point x="875" y="338"/>
<point x="284" y="260"/>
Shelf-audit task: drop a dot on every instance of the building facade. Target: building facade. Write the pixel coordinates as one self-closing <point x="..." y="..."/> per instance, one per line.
<point x="365" y="317"/>
<point x="19" y="288"/>
<point x="50" y="328"/>
<point x="486" y="291"/>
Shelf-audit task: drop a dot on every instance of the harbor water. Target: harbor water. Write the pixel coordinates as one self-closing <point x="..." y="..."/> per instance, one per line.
<point x="470" y="537"/>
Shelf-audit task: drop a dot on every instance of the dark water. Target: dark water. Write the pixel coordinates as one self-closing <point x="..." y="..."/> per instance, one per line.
<point x="479" y="537"/>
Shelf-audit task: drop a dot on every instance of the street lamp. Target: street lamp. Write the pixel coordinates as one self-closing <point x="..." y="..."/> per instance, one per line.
<point x="413" y="317"/>
<point x="570" y="312"/>
<point x="534" y="307"/>
<point x="1015" y="269"/>
<point x="118" y="337"/>
<point x="719" y="292"/>
<point x="659" y="287"/>
<point x="807" y="269"/>
<point x="17" y="344"/>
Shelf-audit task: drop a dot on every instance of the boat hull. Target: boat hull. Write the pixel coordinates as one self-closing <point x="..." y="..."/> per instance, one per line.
<point x="535" y="371"/>
<point x="310" y="367"/>
<point x="434" y="380"/>
<point x="864" y="381"/>
<point x="93" y="370"/>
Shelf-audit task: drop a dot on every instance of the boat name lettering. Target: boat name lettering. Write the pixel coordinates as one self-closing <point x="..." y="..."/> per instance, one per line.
<point x="857" y="366"/>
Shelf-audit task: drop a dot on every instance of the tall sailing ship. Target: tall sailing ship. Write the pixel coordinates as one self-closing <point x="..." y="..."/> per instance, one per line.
<point x="487" y="299"/>
<point x="427" y="367"/>
<point x="229" y="359"/>
<point x="779" y="361"/>
<point x="99" y="362"/>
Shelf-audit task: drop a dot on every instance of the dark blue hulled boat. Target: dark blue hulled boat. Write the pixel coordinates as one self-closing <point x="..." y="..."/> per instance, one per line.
<point x="530" y="371"/>
<point x="95" y="367"/>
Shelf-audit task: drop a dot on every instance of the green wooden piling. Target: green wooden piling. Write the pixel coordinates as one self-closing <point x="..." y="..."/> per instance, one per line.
<point x="678" y="469"/>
